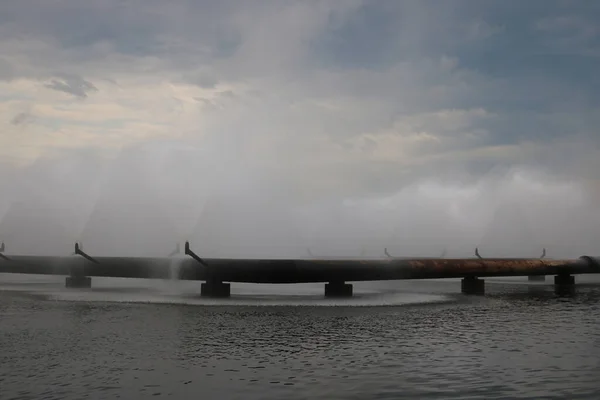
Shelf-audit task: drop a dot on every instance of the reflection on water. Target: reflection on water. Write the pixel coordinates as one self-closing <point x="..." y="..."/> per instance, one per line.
<point x="510" y="344"/>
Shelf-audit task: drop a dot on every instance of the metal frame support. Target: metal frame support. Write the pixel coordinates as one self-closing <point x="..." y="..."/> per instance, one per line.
<point x="386" y="253"/>
<point x="79" y="251"/>
<point x="78" y="278"/>
<point x="477" y="253"/>
<point x="189" y="252"/>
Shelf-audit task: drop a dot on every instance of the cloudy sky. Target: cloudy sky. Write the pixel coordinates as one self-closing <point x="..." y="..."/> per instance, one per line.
<point x="447" y="107"/>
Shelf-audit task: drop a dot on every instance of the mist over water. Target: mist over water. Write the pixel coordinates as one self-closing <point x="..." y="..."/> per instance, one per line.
<point x="147" y="198"/>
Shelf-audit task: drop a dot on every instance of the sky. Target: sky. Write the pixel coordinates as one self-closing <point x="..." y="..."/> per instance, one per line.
<point x="266" y="127"/>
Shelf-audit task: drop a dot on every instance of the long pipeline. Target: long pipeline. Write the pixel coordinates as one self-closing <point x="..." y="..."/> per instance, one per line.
<point x="293" y="270"/>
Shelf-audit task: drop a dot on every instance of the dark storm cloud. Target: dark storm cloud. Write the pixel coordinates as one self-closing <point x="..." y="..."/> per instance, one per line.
<point x="496" y="38"/>
<point x="138" y="28"/>
<point x="74" y="24"/>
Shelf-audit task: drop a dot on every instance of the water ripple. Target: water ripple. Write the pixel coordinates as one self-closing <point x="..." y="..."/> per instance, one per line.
<point x="508" y="345"/>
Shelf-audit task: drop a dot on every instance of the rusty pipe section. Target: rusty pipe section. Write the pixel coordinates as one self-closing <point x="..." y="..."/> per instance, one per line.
<point x="429" y="268"/>
<point x="502" y="267"/>
<point x="295" y="271"/>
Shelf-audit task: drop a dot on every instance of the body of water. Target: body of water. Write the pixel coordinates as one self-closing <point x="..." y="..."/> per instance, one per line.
<point x="136" y="339"/>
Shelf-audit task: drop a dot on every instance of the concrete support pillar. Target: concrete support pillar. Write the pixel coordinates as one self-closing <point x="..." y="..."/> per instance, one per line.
<point x="536" y="278"/>
<point x="78" y="282"/>
<point x="338" y="289"/>
<point x="472" y="285"/>
<point x="215" y="289"/>
<point x="564" y="284"/>
<point x="564" y="280"/>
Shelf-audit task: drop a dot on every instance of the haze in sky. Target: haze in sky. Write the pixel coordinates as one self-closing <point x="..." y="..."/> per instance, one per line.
<point x="263" y="128"/>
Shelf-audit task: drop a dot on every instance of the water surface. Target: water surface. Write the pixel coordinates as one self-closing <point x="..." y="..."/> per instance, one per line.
<point x="141" y="339"/>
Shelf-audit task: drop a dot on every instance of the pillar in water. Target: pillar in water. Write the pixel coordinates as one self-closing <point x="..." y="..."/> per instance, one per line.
<point x="472" y="285"/>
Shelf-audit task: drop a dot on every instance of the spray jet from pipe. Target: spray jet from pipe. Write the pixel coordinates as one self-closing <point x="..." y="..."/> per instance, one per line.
<point x="176" y="251"/>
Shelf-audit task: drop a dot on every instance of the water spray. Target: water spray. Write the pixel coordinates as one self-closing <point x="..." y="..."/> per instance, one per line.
<point x="2" y="256"/>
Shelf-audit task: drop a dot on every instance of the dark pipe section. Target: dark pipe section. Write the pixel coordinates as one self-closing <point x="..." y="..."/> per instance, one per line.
<point x="296" y="271"/>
